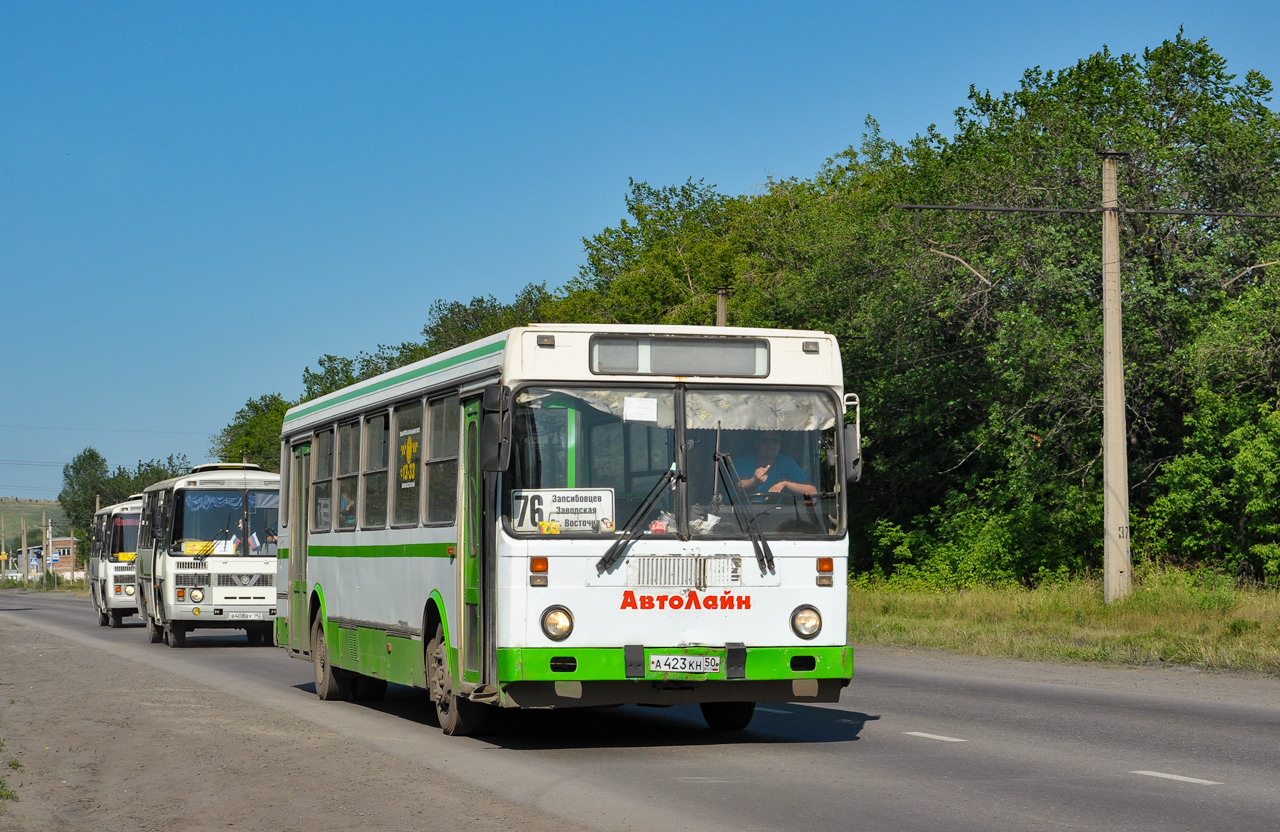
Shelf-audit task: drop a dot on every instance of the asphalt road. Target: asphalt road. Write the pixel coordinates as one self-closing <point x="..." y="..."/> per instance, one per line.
<point x="948" y="744"/>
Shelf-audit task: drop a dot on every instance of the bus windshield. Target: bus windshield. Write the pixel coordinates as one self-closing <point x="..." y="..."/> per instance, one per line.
<point x="124" y="534"/>
<point x="585" y="460"/>
<point x="763" y="455"/>
<point x="226" y="522"/>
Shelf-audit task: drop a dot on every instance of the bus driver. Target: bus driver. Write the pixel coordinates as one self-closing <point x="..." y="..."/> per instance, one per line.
<point x="774" y="472"/>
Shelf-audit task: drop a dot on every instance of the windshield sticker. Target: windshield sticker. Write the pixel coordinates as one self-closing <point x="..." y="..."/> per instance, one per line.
<point x="553" y="510"/>
<point x="636" y="409"/>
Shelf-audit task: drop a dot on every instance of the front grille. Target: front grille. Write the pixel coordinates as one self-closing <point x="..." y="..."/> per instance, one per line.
<point x="260" y="579"/>
<point x="192" y="579"/>
<point x="126" y="567"/>
<point x="684" y="571"/>
<point x="187" y="564"/>
<point x="122" y="577"/>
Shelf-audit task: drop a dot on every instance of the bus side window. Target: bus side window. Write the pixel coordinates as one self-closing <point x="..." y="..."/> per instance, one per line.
<point x="442" y="460"/>
<point x="377" y="445"/>
<point x="408" y="436"/>
<point x="322" y="482"/>
<point x="348" y="474"/>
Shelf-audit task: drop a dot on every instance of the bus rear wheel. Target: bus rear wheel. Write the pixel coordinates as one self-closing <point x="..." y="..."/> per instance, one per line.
<point x="331" y="682"/>
<point x="728" y="716"/>
<point x="457" y="715"/>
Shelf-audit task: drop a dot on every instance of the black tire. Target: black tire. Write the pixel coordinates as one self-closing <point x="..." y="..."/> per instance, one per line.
<point x="155" y="635"/>
<point x="117" y="619"/>
<point x="367" y="688"/>
<point x="253" y="636"/>
<point x="175" y="635"/>
<point x="728" y="716"/>
<point x="458" y="716"/>
<point x="103" y="617"/>
<point x="331" y="682"/>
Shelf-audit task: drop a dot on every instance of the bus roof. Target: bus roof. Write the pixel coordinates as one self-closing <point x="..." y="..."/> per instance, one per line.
<point x="134" y="503"/>
<point x="803" y="357"/>
<point x="221" y="478"/>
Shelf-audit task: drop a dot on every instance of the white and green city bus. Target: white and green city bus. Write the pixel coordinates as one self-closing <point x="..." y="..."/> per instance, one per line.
<point x="564" y="515"/>
<point x="207" y="552"/>
<point x="111" y="556"/>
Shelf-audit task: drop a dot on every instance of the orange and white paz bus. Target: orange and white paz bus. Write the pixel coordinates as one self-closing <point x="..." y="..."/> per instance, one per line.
<point x="572" y="515"/>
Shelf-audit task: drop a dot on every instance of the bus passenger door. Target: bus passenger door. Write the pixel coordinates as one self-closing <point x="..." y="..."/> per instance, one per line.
<point x="470" y="540"/>
<point x="300" y="480"/>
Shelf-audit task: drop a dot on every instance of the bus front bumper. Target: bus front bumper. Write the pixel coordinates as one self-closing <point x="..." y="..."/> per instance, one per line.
<point x="581" y="677"/>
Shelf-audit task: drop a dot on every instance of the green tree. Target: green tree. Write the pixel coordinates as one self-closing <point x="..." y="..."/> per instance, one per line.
<point x="254" y="432"/>
<point x="87" y="481"/>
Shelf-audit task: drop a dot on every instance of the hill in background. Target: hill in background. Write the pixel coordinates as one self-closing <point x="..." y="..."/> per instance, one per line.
<point x="13" y="509"/>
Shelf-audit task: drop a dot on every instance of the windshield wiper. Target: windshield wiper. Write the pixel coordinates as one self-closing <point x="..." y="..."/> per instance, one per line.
<point x="724" y="466"/>
<point x="631" y="530"/>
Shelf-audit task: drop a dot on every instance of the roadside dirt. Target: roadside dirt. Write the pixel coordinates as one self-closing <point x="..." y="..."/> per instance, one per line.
<point x="200" y="759"/>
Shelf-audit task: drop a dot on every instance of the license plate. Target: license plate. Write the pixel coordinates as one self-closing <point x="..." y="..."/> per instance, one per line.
<point x="684" y="664"/>
<point x="245" y="616"/>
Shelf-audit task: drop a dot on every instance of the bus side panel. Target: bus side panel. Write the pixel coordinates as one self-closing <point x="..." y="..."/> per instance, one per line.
<point x="377" y="585"/>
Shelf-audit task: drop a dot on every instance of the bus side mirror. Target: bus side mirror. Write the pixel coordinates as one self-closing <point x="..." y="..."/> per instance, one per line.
<point x="852" y="454"/>
<point x="495" y="428"/>
<point x="853" y="441"/>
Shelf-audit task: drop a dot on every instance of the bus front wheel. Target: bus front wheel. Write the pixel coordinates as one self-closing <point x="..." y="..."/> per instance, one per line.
<point x="458" y="716"/>
<point x="728" y="716"/>
<point x="154" y="634"/>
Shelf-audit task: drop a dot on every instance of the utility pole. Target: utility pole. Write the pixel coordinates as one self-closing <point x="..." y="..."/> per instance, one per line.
<point x="1116" y="559"/>
<point x="722" y="306"/>
<point x="1116" y="555"/>
<point x="45" y="541"/>
<point x="26" y="560"/>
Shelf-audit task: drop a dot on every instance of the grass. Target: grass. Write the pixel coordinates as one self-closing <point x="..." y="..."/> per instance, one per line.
<point x="7" y="793"/>
<point x="1171" y="618"/>
<point x="46" y="583"/>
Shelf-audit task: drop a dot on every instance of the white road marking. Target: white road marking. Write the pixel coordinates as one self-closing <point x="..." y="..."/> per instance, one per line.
<point x="702" y="780"/>
<point x="772" y="710"/>
<point x="1178" y="777"/>
<point x="932" y="736"/>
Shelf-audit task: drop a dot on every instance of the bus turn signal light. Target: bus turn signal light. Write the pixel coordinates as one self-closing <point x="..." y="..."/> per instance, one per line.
<point x="537" y="571"/>
<point x="825" y="567"/>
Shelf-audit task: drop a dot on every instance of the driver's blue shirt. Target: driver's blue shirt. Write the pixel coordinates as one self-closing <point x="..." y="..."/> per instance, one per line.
<point x="782" y="469"/>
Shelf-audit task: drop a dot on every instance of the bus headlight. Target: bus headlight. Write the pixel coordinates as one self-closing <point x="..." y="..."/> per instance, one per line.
<point x="805" y="622"/>
<point x="557" y="623"/>
<point x="128" y="589"/>
<point x="197" y="595"/>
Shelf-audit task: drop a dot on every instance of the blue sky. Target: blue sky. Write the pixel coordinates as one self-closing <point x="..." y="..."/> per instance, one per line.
<point x="197" y="200"/>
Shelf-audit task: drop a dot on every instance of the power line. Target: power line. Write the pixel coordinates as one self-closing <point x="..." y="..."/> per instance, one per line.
<point x="29" y="462"/>
<point x="108" y="430"/>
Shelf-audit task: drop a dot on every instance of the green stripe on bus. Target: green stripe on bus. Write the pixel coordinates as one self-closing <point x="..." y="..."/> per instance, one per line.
<point x="409" y="375"/>
<point x="403" y="550"/>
